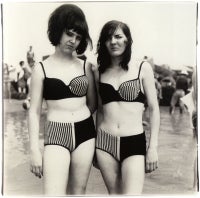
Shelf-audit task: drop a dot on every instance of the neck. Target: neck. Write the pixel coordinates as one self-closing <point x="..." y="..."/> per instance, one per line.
<point x="62" y="56"/>
<point x="115" y="61"/>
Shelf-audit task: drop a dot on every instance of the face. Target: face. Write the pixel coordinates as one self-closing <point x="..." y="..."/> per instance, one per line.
<point x="69" y="41"/>
<point x="117" y="43"/>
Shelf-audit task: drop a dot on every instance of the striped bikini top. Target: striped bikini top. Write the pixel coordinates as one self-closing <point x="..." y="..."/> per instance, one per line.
<point x="56" y="89"/>
<point x="128" y="91"/>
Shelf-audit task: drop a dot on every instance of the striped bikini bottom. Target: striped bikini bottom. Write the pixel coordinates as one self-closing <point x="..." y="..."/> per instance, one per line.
<point x="121" y="147"/>
<point x="69" y="135"/>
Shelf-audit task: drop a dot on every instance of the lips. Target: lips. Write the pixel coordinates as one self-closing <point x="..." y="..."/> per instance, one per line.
<point x="114" y="48"/>
<point x="70" y="46"/>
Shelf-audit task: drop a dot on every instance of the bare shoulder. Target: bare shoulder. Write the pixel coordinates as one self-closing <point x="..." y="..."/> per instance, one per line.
<point x="37" y="70"/>
<point x="146" y="69"/>
<point x="47" y="63"/>
<point x="146" y="66"/>
<point x="140" y="65"/>
<point x="90" y="66"/>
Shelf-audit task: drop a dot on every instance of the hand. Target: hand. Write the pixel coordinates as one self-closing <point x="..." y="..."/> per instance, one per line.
<point x="151" y="160"/>
<point x="36" y="164"/>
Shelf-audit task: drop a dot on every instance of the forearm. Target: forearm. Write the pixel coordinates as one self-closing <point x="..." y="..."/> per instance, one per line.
<point x="99" y="116"/>
<point x="155" y="124"/>
<point x="34" y="127"/>
<point x="92" y="106"/>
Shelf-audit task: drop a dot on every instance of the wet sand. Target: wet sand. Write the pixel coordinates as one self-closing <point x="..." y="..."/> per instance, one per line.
<point x="173" y="177"/>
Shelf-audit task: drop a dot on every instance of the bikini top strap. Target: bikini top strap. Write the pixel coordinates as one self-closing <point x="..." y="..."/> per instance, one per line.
<point x="84" y="65"/>
<point x="43" y="69"/>
<point x="140" y="68"/>
<point x="99" y="75"/>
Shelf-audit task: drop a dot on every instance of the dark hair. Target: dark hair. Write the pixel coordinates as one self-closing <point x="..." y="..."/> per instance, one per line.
<point x="67" y="17"/>
<point x="104" y="59"/>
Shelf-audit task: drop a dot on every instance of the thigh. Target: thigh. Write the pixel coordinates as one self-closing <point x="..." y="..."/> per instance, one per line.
<point x="110" y="170"/>
<point x="180" y="94"/>
<point x="55" y="169"/>
<point x="174" y="98"/>
<point x="81" y="162"/>
<point x="133" y="173"/>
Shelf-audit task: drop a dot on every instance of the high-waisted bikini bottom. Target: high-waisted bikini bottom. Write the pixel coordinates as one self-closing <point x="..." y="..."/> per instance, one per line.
<point x="121" y="147"/>
<point x="69" y="135"/>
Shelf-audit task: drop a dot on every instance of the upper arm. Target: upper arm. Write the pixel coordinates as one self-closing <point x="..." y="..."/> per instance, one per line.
<point x="36" y="88"/>
<point x="92" y="90"/>
<point x="149" y="84"/>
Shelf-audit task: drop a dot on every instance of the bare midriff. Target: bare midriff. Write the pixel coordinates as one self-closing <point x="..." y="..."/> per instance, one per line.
<point x="67" y="110"/>
<point x="122" y="118"/>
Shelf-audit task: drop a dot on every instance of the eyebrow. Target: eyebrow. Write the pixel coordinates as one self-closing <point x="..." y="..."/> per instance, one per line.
<point x="74" y="33"/>
<point x="118" y="34"/>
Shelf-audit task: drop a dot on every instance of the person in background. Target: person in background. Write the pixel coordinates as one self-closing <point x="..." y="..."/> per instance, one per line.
<point x="181" y="89"/>
<point x="30" y="56"/>
<point x="23" y="75"/>
<point x="26" y="102"/>
<point x="124" y="84"/>
<point x="68" y="87"/>
<point x="8" y="79"/>
<point x="21" y="82"/>
<point x="158" y="87"/>
<point x="195" y="126"/>
<point x="190" y="100"/>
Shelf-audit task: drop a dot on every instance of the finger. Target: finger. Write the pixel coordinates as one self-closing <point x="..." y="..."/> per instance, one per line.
<point x="151" y="167"/>
<point x="41" y="170"/>
<point x="147" y="167"/>
<point x="31" y="168"/>
<point x="156" y="164"/>
<point x="147" y="171"/>
<point x="38" y="173"/>
<point x="35" y="171"/>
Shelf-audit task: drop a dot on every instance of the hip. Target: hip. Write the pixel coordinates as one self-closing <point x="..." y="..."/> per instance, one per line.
<point x="122" y="128"/>
<point x="69" y="134"/>
<point x="121" y="147"/>
<point x="65" y="115"/>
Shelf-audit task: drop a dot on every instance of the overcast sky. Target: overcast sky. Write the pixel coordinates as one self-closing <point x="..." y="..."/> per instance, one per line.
<point x="164" y="31"/>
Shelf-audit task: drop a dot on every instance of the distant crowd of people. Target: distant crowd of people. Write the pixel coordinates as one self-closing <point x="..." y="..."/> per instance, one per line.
<point x="17" y="78"/>
<point x="171" y="89"/>
<point x="181" y="89"/>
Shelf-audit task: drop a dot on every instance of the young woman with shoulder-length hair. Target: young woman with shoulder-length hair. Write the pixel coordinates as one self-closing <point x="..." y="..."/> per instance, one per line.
<point x="124" y="84"/>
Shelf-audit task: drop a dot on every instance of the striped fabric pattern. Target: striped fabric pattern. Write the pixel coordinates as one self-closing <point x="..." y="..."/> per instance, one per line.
<point x="108" y="143"/>
<point x="79" y="85"/>
<point x="129" y="90"/>
<point x="58" y="133"/>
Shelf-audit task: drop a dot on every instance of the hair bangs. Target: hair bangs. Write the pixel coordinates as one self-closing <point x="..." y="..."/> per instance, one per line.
<point x="77" y="25"/>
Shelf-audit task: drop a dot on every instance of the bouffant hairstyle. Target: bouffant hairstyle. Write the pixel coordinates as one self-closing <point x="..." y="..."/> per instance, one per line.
<point x="68" y="17"/>
<point x="104" y="58"/>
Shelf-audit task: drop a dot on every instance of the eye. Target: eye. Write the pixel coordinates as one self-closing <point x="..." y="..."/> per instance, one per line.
<point x="69" y="33"/>
<point x="118" y="36"/>
<point x="78" y="37"/>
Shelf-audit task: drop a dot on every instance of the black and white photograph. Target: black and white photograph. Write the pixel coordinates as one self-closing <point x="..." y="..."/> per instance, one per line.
<point x="99" y="98"/>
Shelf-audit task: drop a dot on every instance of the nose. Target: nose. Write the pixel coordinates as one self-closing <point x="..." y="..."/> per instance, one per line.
<point x="112" y="40"/>
<point x="73" y="39"/>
